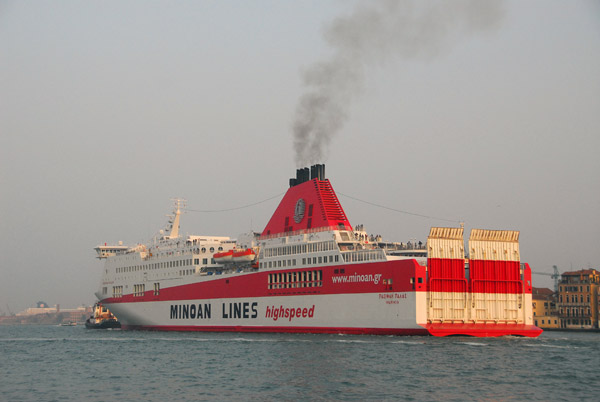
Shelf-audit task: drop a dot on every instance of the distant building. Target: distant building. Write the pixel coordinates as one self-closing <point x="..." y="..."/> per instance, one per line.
<point x="578" y="299"/>
<point x="545" y="311"/>
<point x="39" y="310"/>
<point x="65" y="314"/>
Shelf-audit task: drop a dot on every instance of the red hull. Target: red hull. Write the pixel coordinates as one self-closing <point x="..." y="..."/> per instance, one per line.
<point x="484" y="330"/>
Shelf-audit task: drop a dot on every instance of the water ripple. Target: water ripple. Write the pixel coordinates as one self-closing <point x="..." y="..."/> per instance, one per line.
<point x="73" y="364"/>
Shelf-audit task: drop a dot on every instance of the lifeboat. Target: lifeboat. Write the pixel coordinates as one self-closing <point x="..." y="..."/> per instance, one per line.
<point x="223" y="257"/>
<point x="246" y="255"/>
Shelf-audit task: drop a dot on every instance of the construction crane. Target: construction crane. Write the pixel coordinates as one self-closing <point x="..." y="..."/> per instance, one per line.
<point x="554" y="276"/>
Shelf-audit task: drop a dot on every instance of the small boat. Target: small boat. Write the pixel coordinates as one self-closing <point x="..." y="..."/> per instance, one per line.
<point x="246" y="255"/>
<point x="102" y="319"/>
<point x="224" y="256"/>
<point x="68" y="324"/>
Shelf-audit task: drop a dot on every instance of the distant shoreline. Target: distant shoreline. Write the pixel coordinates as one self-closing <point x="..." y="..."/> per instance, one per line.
<point x="43" y="319"/>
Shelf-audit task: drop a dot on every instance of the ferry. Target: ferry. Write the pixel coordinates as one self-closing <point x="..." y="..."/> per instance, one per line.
<point x="311" y="271"/>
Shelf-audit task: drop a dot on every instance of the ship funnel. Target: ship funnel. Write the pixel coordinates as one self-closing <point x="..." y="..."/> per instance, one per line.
<point x="320" y="171"/>
<point x="303" y="175"/>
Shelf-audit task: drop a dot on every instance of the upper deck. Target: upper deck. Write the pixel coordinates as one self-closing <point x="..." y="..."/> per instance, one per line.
<point x="107" y="251"/>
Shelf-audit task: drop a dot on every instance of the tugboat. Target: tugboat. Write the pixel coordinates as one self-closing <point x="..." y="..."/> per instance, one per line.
<point x="102" y="319"/>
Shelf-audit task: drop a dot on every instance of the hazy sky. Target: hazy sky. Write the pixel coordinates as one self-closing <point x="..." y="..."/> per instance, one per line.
<point x="109" y="109"/>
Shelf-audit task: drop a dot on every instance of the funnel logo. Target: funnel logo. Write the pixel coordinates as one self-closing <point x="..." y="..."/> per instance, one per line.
<point x="299" y="211"/>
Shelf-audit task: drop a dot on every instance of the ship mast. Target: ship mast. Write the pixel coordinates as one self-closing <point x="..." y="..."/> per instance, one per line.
<point x="174" y="219"/>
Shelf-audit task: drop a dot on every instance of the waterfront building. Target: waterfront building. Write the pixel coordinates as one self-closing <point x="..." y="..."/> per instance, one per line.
<point x="578" y="299"/>
<point x="545" y="313"/>
<point x="41" y="308"/>
<point x="44" y="314"/>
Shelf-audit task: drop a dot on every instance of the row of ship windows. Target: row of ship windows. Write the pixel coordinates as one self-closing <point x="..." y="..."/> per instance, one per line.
<point x="299" y="279"/>
<point x="117" y="291"/>
<point x="170" y="253"/>
<point x="166" y="264"/>
<point x="364" y="255"/>
<point x="203" y="250"/>
<point x="193" y="250"/>
<point x="305" y="261"/>
<point x="138" y="290"/>
<point x="300" y="249"/>
<point x="281" y="280"/>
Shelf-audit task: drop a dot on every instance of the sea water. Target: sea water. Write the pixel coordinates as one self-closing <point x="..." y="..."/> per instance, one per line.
<point x="51" y="363"/>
